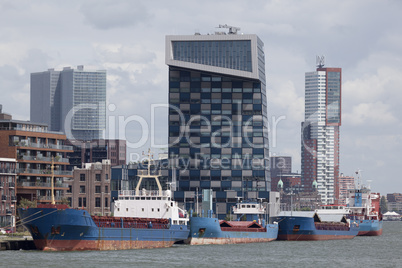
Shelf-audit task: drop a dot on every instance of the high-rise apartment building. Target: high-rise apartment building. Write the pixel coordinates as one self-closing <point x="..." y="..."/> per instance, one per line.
<point x="72" y="101"/>
<point x="320" y="132"/>
<point x="218" y="136"/>
<point x="345" y="183"/>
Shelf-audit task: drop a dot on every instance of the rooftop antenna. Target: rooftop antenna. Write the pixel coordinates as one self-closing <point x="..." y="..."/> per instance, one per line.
<point x="232" y="29"/>
<point x="320" y="61"/>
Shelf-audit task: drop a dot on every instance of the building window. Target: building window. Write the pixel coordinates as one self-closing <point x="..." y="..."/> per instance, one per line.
<point x="106" y="202"/>
<point x="97" y="202"/>
<point x="107" y="177"/>
<point x="70" y="189"/>
<point x="84" y="201"/>
<point x="106" y="189"/>
<point x="97" y="177"/>
<point x="82" y="177"/>
<point x="80" y="201"/>
<point x="97" y="189"/>
<point x="82" y="189"/>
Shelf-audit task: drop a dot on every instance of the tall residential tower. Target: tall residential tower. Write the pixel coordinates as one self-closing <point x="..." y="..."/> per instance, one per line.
<point x="218" y="136"/>
<point x="320" y="132"/>
<point x="72" y="101"/>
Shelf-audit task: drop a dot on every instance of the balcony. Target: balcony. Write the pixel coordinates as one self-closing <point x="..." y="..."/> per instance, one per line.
<point x="13" y="199"/>
<point x="1" y="184"/>
<point x="4" y="198"/>
<point x="9" y="212"/>
<point x="11" y="184"/>
<point x="43" y="158"/>
<point x="44" y="171"/>
<point x="7" y="171"/>
<point x="42" y="184"/>
<point x="43" y="146"/>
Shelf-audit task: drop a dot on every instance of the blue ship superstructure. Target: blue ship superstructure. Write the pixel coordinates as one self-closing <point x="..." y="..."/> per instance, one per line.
<point x="365" y="210"/>
<point x="251" y="226"/>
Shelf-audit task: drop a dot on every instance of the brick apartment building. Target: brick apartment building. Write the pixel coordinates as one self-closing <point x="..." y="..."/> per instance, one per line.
<point x="34" y="148"/>
<point x="90" y="188"/>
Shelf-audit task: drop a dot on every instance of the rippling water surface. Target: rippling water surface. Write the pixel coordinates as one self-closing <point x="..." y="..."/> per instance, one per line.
<point x="380" y="251"/>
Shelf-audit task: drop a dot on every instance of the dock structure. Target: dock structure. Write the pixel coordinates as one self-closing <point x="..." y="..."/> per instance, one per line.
<point x="25" y="244"/>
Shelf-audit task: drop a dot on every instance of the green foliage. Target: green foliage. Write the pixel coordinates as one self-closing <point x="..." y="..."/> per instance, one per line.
<point x="383" y="204"/>
<point x="25" y="203"/>
<point x="305" y="209"/>
<point x="65" y="201"/>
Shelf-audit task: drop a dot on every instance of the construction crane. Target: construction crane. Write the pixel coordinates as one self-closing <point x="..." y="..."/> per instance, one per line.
<point x="232" y="29"/>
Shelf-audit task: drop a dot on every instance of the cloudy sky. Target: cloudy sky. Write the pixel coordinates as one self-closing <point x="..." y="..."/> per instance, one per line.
<point x="127" y="38"/>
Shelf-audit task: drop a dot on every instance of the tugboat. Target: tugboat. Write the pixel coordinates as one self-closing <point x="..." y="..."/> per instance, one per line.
<point x="255" y="227"/>
<point x="365" y="210"/>
<point x="142" y="219"/>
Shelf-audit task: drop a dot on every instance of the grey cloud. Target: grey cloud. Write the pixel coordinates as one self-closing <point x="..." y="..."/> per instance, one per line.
<point x="124" y="54"/>
<point x="105" y="15"/>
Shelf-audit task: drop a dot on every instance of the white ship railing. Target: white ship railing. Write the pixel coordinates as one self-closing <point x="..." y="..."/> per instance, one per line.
<point x="143" y="193"/>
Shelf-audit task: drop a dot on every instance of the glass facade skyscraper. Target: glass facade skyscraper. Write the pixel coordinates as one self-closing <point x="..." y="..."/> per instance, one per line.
<point x="218" y="127"/>
<point x="320" y="132"/>
<point x="72" y="101"/>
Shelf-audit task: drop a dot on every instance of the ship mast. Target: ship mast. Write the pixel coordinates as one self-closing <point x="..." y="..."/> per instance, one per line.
<point x="51" y="182"/>
<point x="148" y="175"/>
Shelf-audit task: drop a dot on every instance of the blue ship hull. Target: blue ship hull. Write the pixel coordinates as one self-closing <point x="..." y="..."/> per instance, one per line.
<point x="304" y="228"/>
<point x="209" y="231"/>
<point x="369" y="227"/>
<point x="71" y="229"/>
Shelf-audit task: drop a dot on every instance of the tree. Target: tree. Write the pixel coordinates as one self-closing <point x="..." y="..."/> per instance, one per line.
<point x="25" y="203"/>
<point x="383" y="204"/>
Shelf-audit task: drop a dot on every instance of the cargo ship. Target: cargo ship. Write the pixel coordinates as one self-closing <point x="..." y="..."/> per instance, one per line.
<point x="365" y="210"/>
<point x="309" y="225"/>
<point x="142" y="219"/>
<point x="255" y="227"/>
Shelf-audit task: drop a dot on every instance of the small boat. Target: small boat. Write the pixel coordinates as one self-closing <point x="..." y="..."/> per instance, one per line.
<point x="142" y="219"/>
<point x="255" y="227"/>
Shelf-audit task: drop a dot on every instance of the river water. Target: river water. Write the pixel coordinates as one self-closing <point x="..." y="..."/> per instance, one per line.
<point x="380" y="251"/>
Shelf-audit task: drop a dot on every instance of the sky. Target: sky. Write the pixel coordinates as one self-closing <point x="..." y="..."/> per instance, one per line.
<point x="127" y="39"/>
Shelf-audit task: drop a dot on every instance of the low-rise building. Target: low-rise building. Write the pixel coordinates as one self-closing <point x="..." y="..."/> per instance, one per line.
<point x="96" y="150"/>
<point x="394" y="202"/>
<point x="90" y="188"/>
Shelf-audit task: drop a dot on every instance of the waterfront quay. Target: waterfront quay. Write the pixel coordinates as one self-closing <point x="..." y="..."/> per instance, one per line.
<point x="16" y="243"/>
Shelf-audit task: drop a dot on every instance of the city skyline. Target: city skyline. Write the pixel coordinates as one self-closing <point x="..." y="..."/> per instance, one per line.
<point x="127" y="40"/>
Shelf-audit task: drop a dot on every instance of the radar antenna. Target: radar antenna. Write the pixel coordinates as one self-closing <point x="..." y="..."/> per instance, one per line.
<point x="232" y="29"/>
<point x="320" y="61"/>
